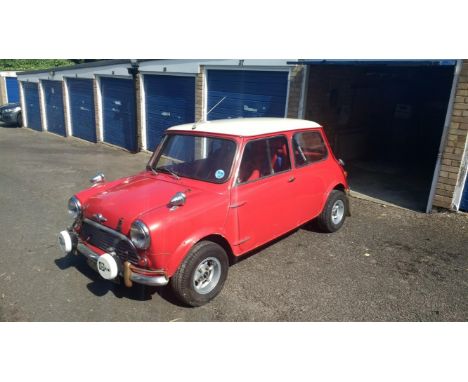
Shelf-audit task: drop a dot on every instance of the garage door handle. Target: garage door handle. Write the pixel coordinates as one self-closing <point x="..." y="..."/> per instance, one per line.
<point x="291" y="179"/>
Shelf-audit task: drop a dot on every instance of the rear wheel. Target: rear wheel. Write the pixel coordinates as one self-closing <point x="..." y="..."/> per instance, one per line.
<point x="201" y="275"/>
<point x="334" y="212"/>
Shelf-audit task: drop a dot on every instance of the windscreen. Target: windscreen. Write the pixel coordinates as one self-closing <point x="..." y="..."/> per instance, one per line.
<point x="203" y="158"/>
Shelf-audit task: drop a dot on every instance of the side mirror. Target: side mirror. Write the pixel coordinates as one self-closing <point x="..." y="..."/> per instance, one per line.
<point x="98" y="178"/>
<point x="178" y="200"/>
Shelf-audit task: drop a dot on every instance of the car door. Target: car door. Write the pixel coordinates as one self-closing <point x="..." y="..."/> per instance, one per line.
<point x="262" y="194"/>
<point x="310" y="170"/>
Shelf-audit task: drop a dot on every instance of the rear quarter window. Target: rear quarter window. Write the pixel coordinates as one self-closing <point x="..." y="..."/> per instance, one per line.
<point x="308" y="148"/>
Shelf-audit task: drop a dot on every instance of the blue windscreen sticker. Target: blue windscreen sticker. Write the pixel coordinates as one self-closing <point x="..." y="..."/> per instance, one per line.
<point x="219" y="174"/>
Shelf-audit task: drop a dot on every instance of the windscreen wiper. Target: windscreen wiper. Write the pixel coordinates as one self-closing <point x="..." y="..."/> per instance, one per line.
<point x="150" y="168"/>
<point x="166" y="170"/>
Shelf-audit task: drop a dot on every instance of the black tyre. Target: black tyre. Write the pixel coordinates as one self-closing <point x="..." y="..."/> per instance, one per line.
<point x="201" y="275"/>
<point x="334" y="212"/>
<point x="19" y="120"/>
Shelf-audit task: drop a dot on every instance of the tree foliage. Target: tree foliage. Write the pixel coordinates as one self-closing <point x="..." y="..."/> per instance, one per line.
<point x="17" y="65"/>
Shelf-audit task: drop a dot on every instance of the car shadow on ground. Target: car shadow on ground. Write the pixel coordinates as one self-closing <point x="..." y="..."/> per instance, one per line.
<point x="4" y="125"/>
<point x="310" y="226"/>
<point x="100" y="287"/>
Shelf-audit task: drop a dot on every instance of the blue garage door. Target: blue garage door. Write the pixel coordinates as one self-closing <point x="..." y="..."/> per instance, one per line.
<point x="33" y="110"/>
<point x="12" y="89"/>
<point x="81" y="98"/>
<point x="118" y="104"/>
<point x="249" y="93"/>
<point x="53" y="97"/>
<point x="464" y="198"/>
<point x="170" y="100"/>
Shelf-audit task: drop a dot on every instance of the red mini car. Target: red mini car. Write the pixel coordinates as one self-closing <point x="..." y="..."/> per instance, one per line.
<point x="212" y="191"/>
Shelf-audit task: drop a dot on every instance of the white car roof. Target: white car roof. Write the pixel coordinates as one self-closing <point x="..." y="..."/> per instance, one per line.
<point x="247" y="127"/>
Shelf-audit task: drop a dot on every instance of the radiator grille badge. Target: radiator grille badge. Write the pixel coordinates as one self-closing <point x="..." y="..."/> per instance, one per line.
<point x="100" y="218"/>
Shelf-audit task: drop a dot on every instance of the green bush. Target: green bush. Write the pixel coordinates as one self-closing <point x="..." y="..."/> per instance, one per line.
<point x="16" y="65"/>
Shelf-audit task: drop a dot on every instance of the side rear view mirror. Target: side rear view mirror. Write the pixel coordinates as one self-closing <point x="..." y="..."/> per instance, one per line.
<point x="98" y="178"/>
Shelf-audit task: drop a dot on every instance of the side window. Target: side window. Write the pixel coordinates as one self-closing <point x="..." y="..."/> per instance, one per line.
<point x="279" y="154"/>
<point x="264" y="157"/>
<point x="254" y="164"/>
<point x="308" y="148"/>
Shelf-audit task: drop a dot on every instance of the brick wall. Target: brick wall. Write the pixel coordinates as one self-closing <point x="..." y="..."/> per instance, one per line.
<point x="295" y="90"/>
<point x="96" y="111"/>
<point x="450" y="174"/>
<point x="199" y="81"/>
<point x="330" y="101"/>
<point x="3" y="95"/>
<point x="139" y="126"/>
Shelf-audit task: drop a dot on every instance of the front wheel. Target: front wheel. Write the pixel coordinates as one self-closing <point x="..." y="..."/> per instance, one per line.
<point x="201" y="275"/>
<point x="334" y="212"/>
<point x="19" y="120"/>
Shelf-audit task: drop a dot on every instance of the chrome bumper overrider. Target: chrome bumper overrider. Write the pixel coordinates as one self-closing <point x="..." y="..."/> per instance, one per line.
<point x="129" y="272"/>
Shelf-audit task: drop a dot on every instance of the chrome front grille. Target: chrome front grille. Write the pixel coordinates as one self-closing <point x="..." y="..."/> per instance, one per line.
<point x="108" y="240"/>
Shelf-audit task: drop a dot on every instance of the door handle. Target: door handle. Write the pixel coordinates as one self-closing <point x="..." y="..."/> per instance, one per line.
<point x="291" y="179"/>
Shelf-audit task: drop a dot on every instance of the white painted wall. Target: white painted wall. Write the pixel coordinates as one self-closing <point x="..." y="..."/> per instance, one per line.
<point x="7" y="74"/>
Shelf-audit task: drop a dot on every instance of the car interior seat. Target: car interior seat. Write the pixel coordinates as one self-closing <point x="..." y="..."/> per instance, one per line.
<point x="279" y="158"/>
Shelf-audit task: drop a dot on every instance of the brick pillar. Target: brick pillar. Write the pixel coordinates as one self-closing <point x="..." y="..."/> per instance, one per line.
<point x="450" y="169"/>
<point x="139" y="126"/>
<point x="3" y="90"/>
<point x="97" y="111"/>
<point x="199" y="92"/>
<point x="295" y="90"/>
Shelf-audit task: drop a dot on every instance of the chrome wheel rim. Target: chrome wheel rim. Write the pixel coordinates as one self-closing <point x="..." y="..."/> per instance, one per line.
<point x="337" y="212"/>
<point x="206" y="275"/>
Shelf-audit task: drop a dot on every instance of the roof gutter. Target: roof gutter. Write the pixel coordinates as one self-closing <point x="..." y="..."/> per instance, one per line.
<point x="95" y="64"/>
<point x="368" y="62"/>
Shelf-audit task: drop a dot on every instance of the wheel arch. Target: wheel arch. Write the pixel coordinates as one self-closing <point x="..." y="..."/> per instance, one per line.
<point x="339" y="187"/>
<point x="222" y="241"/>
<point x="186" y="246"/>
<point x="334" y="186"/>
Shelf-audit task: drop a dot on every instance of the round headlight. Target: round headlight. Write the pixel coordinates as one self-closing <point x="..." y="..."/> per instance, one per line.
<point x="139" y="234"/>
<point x="74" y="207"/>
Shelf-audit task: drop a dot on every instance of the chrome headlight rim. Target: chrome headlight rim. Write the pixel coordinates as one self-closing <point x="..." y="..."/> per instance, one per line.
<point x="74" y="207"/>
<point x="140" y="235"/>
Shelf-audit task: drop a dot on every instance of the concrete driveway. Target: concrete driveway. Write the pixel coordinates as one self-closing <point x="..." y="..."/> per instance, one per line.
<point x="386" y="264"/>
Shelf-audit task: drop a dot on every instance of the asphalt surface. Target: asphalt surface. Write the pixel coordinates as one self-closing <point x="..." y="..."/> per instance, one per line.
<point x="385" y="264"/>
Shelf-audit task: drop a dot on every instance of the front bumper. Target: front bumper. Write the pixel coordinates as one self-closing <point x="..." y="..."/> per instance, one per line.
<point x="130" y="273"/>
<point x="127" y="271"/>
<point x="10" y="117"/>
